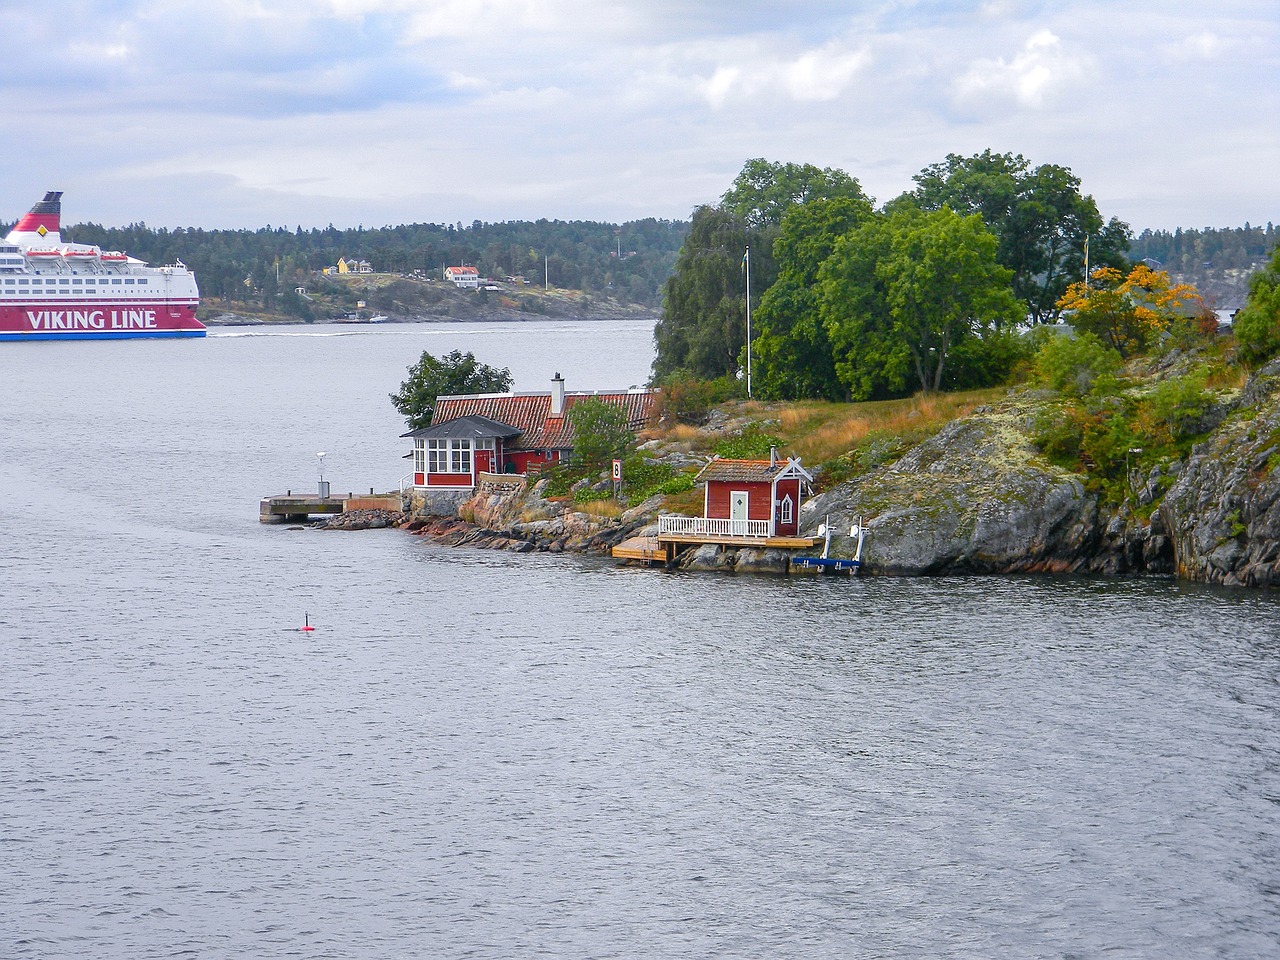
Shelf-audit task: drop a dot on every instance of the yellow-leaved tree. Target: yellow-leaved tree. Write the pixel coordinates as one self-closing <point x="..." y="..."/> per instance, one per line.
<point x="1129" y="312"/>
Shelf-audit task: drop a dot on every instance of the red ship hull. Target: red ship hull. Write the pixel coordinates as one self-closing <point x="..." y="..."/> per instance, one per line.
<point x="99" y="320"/>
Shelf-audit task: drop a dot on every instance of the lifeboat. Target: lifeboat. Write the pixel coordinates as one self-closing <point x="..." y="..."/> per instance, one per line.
<point x="80" y="254"/>
<point x="114" y="256"/>
<point x="47" y="254"/>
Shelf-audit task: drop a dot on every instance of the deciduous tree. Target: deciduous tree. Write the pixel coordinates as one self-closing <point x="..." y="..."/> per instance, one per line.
<point x="454" y="373"/>
<point x="1127" y="311"/>
<point x="1039" y="216"/>
<point x="764" y="191"/>
<point x="793" y="357"/>
<point x="600" y="433"/>
<point x="902" y="292"/>
<point x="703" y="326"/>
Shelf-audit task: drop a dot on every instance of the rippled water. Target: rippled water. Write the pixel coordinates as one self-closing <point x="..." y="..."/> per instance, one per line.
<point x="480" y="754"/>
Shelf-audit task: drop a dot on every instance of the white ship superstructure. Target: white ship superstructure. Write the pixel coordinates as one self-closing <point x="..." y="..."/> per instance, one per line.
<point x="55" y="290"/>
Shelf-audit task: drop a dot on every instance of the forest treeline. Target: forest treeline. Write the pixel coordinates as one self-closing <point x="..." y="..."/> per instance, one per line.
<point x="628" y="261"/>
<point x="1227" y="248"/>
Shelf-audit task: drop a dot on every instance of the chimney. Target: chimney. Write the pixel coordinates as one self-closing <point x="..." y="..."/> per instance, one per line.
<point x="773" y="456"/>
<point x="557" y="396"/>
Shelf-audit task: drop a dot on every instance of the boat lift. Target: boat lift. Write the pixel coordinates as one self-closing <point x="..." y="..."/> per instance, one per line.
<point x="827" y="563"/>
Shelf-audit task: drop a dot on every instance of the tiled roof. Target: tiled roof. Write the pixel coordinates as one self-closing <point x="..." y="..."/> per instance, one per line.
<point x="530" y="414"/>
<point x="749" y="471"/>
<point x="470" y="426"/>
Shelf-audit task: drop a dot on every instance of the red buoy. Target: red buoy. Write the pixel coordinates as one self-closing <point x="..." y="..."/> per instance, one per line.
<point x="306" y="624"/>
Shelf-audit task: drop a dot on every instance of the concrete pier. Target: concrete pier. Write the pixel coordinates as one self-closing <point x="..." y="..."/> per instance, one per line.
<point x="291" y="508"/>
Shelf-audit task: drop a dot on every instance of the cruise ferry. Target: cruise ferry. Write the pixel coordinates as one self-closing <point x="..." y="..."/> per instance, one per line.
<point x="51" y="290"/>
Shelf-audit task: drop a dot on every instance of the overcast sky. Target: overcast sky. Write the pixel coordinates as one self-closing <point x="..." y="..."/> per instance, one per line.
<point x="242" y="113"/>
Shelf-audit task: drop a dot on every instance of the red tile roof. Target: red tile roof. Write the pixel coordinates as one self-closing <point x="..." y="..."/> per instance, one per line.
<point x="530" y="413"/>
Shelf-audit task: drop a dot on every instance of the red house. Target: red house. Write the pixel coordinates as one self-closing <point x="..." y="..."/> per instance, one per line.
<point x="744" y="500"/>
<point x="507" y="432"/>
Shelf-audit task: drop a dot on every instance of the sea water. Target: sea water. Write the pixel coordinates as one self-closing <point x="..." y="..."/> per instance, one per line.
<point x="483" y="754"/>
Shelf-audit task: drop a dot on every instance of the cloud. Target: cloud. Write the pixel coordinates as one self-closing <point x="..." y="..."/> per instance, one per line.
<point x="1041" y="70"/>
<point x="319" y="110"/>
<point x="756" y="73"/>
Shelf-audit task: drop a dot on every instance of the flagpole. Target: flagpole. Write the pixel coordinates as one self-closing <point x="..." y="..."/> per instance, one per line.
<point x="746" y="259"/>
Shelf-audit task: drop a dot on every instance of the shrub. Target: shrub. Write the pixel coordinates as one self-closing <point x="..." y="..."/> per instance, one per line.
<point x="987" y="361"/>
<point x="685" y="398"/>
<point x="752" y="444"/>
<point x="642" y="479"/>
<point x="1072" y="364"/>
<point x="1175" y="409"/>
<point x="1257" y="326"/>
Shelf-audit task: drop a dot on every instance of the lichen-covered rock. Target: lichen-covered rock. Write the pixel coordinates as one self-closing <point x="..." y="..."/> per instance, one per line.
<point x="1222" y="513"/>
<point x="975" y="497"/>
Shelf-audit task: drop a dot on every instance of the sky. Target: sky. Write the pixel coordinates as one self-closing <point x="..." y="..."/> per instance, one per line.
<point x="247" y="113"/>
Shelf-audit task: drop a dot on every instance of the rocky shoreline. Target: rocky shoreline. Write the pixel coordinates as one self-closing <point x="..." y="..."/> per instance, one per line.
<point x="976" y="498"/>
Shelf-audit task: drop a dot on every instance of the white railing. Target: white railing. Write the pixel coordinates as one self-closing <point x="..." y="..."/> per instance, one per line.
<point x="675" y="525"/>
<point x="405" y="482"/>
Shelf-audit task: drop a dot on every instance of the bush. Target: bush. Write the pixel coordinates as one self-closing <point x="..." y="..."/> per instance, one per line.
<point x="600" y="433"/>
<point x="1072" y="364"/>
<point x="1257" y="326"/>
<point x="987" y="361"/>
<point x="1175" y="409"/>
<point x="752" y="444"/>
<point x="685" y="398"/>
<point x="642" y="479"/>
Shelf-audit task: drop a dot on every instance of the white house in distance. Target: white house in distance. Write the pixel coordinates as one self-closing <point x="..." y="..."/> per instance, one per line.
<point x="463" y="276"/>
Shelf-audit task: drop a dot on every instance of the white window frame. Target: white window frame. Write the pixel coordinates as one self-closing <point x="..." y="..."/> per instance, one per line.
<point x="460" y="456"/>
<point x="437" y="456"/>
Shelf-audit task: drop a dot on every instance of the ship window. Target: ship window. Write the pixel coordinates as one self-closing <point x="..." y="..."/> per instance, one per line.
<point x="128" y="281"/>
<point x="77" y="281"/>
<point x="143" y="282"/>
<point x="22" y="283"/>
<point x="115" y="281"/>
<point x="64" y="282"/>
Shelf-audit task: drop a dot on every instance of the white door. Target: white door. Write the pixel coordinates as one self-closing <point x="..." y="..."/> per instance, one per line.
<point x="738" y="513"/>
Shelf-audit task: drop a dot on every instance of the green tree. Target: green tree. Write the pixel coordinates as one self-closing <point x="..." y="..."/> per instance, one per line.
<point x="792" y="354"/>
<point x="703" y="327"/>
<point x="871" y="360"/>
<point x="764" y="191"/>
<point x="1039" y="215"/>
<point x="901" y="293"/>
<point x="454" y="373"/>
<point x="600" y="433"/>
<point x="1257" y="327"/>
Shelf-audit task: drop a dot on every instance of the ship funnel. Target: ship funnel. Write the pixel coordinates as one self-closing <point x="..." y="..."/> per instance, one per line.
<point x="42" y="225"/>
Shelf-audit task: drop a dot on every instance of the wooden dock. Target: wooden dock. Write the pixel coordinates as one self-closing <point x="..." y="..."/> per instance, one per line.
<point x="291" y="508"/>
<point x="644" y="549"/>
